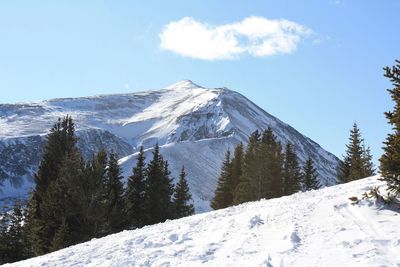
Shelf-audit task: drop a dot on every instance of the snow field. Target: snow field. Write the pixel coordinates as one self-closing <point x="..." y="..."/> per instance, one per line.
<point x="316" y="228"/>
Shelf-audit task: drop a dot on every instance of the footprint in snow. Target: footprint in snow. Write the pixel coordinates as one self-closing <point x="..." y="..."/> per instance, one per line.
<point x="255" y="221"/>
<point x="173" y="237"/>
<point x="295" y="238"/>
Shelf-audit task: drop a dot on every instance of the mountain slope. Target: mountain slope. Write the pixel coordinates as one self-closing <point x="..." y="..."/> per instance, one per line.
<point x="188" y="121"/>
<point x="316" y="228"/>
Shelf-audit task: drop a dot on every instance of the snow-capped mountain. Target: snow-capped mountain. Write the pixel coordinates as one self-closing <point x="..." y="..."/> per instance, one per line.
<point x="315" y="228"/>
<point x="193" y="125"/>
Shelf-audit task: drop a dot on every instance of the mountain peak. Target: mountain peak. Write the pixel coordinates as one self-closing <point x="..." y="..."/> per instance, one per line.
<point x="184" y="84"/>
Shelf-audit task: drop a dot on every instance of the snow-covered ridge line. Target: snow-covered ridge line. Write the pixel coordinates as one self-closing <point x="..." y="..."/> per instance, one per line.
<point x="316" y="228"/>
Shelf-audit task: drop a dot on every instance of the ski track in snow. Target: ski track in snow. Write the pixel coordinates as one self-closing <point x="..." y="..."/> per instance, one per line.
<point x="316" y="228"/>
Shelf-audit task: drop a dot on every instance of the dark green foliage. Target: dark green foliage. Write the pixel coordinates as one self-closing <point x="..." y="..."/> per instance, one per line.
<point x="159" y="190"/>
<point x="263" y="171"/>
<point x="4" y="236"/>
<point x="343" y="171"/>
<point x="236" y="168"/>
<point x="291" y="172"/>
<point x="135" y="194"/>
<point x="251" y="172"/>
<point x="61" y="237"/>
<point x="182" y="197"/>
<point x="390" y="160"/>
<point x="310" y="176"/>
<point x="94" y="197"/>
<point x="12" y="235"/>
<point x="357" y="163"/>
<point x="271" y="164"/>
<point x="42" y="223"/>
<point x="368" y="165"/>
<point x="243" y="192"/>
<point x="223" y="193"/>
<point x="114" y="189"/>
<point x="68" y="200"/>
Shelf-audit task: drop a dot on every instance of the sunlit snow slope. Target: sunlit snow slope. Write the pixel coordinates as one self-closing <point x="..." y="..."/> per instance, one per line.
<point x="193" y="125"/>
<point x="317" y="228"/>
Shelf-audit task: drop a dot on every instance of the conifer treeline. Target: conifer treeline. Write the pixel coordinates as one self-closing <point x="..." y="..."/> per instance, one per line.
<point x="75" y="200"/>
<point x="264" y="170"/>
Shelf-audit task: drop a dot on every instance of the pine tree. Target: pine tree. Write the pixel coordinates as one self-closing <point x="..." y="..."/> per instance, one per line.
<point x="15" y="233"/>
<point x="368" y="165"/>
<point x="357" y="163"/>
<point x="94" y="204"/>
<point x="271" y="166"/>
<point x="292" y="172"/>
<point x="310" y="176"/>
<point x="61" y="237"/>
<point x="114" y="196"/>
<point x="60" y="141"/>
<point x="159" y="190"/>
<point x="68" y="201"/>
<point x="244" y="191"/>
<point x="12" y="235"/>
<point x="223" y="193"/>
<point x="390" y="160"/>
<point x="343" y="170"/>
<point x="5" y="251"/>
<point x="167" y="190"/>
<point x="135" y="194"/>
<point x="236" y="169"/>
<point x="182" y="197"/>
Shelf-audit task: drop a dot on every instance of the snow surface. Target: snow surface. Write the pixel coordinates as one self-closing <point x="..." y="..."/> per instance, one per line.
<point x="316" y="228"/>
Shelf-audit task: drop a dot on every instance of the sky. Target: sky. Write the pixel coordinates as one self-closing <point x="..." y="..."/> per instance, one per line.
<point x="314" y="64"/>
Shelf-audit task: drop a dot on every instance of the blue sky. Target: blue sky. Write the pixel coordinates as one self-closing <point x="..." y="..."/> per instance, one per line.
<point x="329" y="78"/>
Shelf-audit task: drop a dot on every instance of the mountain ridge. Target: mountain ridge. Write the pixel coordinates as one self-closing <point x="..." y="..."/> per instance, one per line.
<point x="176" y="116"/>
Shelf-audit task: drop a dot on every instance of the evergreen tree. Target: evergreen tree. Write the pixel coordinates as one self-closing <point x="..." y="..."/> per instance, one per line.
<point x="271" y="166"/>
<point x="236" y="169"/>
<point x="135" y="194"/>
<point x="5" y="251"/>
<point x="94" y="204"/>
<point x="310" y="176"/>
<point x="16" y="234"/>
<point x="159" y="190"/>
<point x="357" y="162"/>
<point x="68" y="201"/>
<point x="343" y="171"/>
<point x="61" y="237"/>
<point x="182" y="197"/>
<point x="390" y="160"/>
<point x="244" y="191"/>
<point x="292" y="172"/>
<point x="12" y="235"/>
<point x="223" y="193"/>
<point x="114" y="196"/>
<point x="167" y="190"/>
<point x="42" y="225"/>
<point x="368" y="165"/>
<point x="356" y="153"/>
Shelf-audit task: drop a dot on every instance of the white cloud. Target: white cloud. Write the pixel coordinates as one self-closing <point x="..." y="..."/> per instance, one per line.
<point x="257" y="36"/>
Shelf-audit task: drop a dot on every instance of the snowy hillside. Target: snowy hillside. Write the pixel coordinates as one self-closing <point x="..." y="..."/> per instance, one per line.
<point x="188" y="121"/>
<point x="317" y="228"/>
